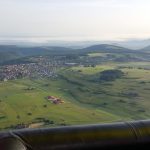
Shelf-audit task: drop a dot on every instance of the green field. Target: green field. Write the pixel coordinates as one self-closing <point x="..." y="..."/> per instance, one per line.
<point x="86" y="99"/>
<point x="92" y="70"/>
<point x="97" y="54"/>
<point x="16" y="103"/>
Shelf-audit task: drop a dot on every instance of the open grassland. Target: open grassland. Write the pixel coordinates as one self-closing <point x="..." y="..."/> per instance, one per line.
<point x="97" y="54"/>
<point x="92" y="70"/>
<point x="87" y="100"/>
<point x="127" y="97"/>
<point x="18" y="105"/>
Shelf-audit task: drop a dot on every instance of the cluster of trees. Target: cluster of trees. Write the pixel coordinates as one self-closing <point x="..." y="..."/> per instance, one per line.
<point x="110" y="75"/>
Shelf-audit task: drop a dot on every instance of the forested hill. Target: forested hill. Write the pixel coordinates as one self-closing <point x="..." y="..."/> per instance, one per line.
<point x="12" y="52"/>
<point x="106" y="48"/>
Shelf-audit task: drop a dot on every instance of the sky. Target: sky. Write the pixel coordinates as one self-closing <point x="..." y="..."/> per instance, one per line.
<point x="75" y="19"/>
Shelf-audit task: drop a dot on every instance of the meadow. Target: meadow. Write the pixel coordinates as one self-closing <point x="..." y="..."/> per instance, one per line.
<point x="21" y="106"/>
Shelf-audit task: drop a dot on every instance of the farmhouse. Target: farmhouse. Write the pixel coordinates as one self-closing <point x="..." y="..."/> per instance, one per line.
<point x="55" y="100"/>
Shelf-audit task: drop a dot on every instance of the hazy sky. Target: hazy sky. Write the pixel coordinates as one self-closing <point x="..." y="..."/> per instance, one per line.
<point x="75" y="19"/>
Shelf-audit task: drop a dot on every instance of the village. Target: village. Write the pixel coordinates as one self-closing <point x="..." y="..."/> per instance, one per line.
<point x="39" y="68"/>
<point x="31" y="70"/>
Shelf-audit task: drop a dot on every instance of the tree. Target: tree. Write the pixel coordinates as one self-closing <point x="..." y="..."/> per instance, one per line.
<point x="110" y="75"/>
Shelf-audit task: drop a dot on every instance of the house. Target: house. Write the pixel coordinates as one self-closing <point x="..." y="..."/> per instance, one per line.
<point x="55" y="100"/>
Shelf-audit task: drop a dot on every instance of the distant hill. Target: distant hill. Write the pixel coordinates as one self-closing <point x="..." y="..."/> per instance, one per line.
<point x="6" y="56"/>
<point x="135" y="44"/>
<point x="106" y="48"/>
<point x="31" y="51"/>
<point x="12" y="52"/>
<point x="146" y="49"/>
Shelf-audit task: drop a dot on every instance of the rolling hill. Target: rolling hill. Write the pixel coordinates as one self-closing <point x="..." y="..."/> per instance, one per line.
<point x="106" y="48"/>
<point x="146" y="49"/>
<point x="12" y="52"/>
